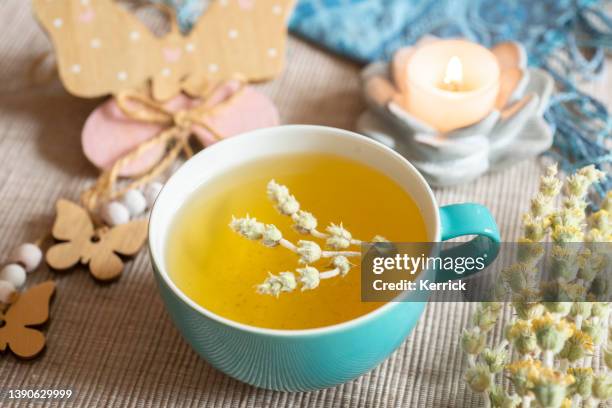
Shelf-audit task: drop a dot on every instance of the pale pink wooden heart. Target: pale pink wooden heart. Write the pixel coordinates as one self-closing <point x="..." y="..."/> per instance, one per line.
<point x="108" y="134"/>
<point x="252" y="110"/>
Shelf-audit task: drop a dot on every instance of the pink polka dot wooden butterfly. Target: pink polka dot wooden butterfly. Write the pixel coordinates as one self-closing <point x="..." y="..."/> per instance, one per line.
<point x="102" y="48"/>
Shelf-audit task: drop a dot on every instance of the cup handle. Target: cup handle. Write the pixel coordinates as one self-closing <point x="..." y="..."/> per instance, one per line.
<point x="468" y="219"/>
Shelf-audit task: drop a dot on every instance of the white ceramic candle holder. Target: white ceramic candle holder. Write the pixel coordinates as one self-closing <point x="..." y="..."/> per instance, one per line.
<point x="514" y="130"/>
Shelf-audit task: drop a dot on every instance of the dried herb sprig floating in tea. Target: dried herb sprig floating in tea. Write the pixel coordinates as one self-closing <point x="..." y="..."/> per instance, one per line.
<point x="336" y="237"/>
<point x="219" y="269"/>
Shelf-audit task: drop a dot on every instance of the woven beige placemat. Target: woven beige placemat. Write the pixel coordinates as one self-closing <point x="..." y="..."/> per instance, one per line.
<point x="114" y="345"/>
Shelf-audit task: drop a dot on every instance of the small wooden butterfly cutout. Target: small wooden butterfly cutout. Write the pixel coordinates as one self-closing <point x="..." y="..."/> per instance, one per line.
<point x="96" y="247"/>
<point x="30" y="309"/>
<point x="102" y="48"/>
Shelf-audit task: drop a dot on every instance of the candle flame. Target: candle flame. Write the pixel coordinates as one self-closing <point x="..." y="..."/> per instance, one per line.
<point x="454" y="74"/>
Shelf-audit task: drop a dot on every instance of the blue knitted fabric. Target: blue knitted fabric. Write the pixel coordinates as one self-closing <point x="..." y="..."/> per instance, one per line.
<point x="551" y="30"/>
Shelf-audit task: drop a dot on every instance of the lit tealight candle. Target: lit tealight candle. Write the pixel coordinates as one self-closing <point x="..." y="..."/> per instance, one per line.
<point x="452" y="83"/>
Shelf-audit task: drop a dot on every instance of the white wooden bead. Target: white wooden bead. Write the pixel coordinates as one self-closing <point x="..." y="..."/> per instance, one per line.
<point x="135" y="202"/>
<point x="13" y="273"/>
<point x="151" y="192"/>
<point x="28" y="255"/>
<point x="115" y="213"/>
<point x="7" y="291"/>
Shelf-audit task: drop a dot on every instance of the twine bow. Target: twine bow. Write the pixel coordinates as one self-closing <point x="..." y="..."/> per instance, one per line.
<point x="175" y="137"/>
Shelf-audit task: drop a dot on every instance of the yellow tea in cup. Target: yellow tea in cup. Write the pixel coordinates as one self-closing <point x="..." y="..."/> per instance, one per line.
<point x="220" y="269"/>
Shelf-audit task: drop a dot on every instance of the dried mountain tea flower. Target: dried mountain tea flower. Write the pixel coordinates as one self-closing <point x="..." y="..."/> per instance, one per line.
<point x="336" y="237"/>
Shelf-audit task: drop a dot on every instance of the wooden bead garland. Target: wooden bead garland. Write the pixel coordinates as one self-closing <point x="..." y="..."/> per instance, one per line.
<point x="115" y="213"/>
<point x="151" y="191"/>
<point x="24" y="258"/>
<point x="29" y="255"/>
<point x="15" y="274"/>
<point x="135" y="202"/>
<point x="82" y="243"/>
<point x="18" y="312"/>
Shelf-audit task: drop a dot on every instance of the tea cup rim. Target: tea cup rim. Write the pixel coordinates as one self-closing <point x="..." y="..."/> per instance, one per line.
<point x="162" y="272"/>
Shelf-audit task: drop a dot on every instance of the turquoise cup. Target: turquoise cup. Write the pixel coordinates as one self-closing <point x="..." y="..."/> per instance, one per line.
<point x="301" y="360"/>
